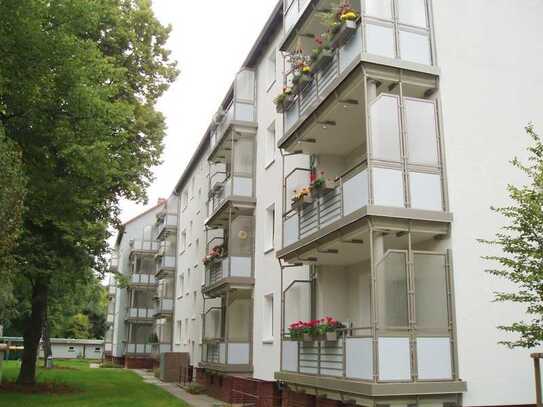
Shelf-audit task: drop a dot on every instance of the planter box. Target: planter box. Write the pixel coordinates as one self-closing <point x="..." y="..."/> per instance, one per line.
<point x="308" y="338"/>
<point x="330" y="337"/>
<point x="346" y="31"/>
<point x="283" y="107"/>
<point x="300" y="82"/>
<point x="326" y="187"/>
<point x="303" y="202"/>
<point x="323" y="60"/>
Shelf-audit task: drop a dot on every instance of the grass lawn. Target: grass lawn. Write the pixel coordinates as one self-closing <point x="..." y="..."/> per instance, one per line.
<point x="92" y="387"/>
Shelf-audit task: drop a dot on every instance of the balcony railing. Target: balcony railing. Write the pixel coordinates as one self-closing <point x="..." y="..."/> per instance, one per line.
<point x="226" y="267"/>
<point x="232" y="186"/>
<point x="140" y="313"/>
<point x="166" y="263"/>
<point x="352" y="355"/>
<point x="165" y="221"/>
<point x="164" y="306"/>
<point x="140" y="348"/>
<point x="144" y="245"/>
<point x="321" y="85"/>
<point x="142" y="279"/>
<point x="158" y="348"/>
<point x="220" y="352"/>
<point x="349" y="195"/>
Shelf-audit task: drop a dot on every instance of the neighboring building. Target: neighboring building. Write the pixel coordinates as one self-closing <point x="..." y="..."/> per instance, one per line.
<point x="65" y="348"/>
<point x="403" y="156"/>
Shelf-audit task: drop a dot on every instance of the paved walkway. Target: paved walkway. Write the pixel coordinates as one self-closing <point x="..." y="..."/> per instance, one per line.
<point x="194" y="400"/>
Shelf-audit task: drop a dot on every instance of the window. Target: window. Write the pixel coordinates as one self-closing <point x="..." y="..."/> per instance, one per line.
<point x="71" y="349"/>
<point x="179" y="332"/>
<point x="97" y="349"/>
<point x="267" y="320"/>
<point x="271" y="68"/>
<point x="270" y="145"/>
<point x="270" y="228"/>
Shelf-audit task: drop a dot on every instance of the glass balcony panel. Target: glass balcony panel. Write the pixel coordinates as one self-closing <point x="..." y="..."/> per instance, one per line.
<point x="291" y="16"/>
<point x="379" y="8"/>
<point x="213" y="324"/>
<point x="291" y="227"/>
<point x="431" y="291"/>
<point x="388" y="188"/>
<point x="241" y="266"/>
<point x="385" y="128"/>
<point x="239" y="317"/>
<point x="355" y="192"/>
<point x="291" y="116"/>
<point x="394" y="359"/>
<point x="421" y="132"/>
<point x="415" y="47"/>
<point x="359" y="358"/>
<point x="241" y="233"/>
<point x="380" y="39"/>
<point x="243" y="157"/>
<point x="434" y="358"/>
<point x="245" y="112"/>
<point x="426" y="191"/>
<point x="392" y="291"/>
<point x="239" y="353"/>
<point x="297" y="303"/>
<point x="243" y="186"/>
<point x="290" y="356"/>
<point x="413" y="12"/>
<point x="245" y="85"/>
<point x="350" y="51"/>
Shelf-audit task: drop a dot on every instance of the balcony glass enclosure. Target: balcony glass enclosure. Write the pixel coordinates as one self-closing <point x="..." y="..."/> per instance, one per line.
<point x="232" y="172"/>
<point x="392" y="291"/>
<point x="167" y="254"/>
<point x="164" y="300"/>
<point x="164" y="334"/>
<point x="138" y="342"/>
<point x="230" y="252"/>
<point x="143" y="270"/>
<point x="165" y="221"/>
<point x="227" y="331"/>
<point x="378" y="147"/>
<point x="140" y="304"/>
<point x="239" y="107"/>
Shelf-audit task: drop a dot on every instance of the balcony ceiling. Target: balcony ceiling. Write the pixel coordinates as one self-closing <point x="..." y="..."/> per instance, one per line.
<point x="339" y="127"/>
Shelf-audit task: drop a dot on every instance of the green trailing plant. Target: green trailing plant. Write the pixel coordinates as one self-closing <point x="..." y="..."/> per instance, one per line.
<point x="521" y="244"/>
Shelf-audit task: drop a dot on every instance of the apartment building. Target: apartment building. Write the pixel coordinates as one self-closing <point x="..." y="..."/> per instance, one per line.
<point x="327" y="240"/>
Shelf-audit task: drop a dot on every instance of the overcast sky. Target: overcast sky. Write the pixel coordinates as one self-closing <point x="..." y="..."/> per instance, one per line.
<point x="210" y="41"/>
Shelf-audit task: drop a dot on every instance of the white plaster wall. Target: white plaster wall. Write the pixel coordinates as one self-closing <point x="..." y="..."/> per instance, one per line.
<point x="266" y="352"/>
<point x="491" y="55"/>
<point x="189" y="302"/>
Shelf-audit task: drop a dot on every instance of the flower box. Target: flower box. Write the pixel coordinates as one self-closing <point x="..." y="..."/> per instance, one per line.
<point x="323" y="60"/>
<point x="323" y="186"/>
<point x="308" y="338"/>
<point x="299" y="82"/>
<point x="302" y="202"/>
<point x="285" y="104"/>
<point x="344" y="33"/>
<point x="330" y="337"/>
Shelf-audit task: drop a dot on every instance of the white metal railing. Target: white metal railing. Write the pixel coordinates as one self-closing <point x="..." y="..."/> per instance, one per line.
<point x="141" y="313"/>
<point x="229" y="266"/>
<point x="139" y="348"/>
<point x="143" y="279"/>
<point x="350" y="194"/>
<point x="227" y="353"/>
<point x="320" y="86"/>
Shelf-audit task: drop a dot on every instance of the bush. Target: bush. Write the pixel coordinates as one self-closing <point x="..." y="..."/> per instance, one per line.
<point x="195" y="388"/>
<point x="107" y="364"/>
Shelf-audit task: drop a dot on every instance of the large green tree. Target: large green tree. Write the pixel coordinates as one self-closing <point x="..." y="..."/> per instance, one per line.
<point x="80" y="79"/>
<point x="521" y="242"/>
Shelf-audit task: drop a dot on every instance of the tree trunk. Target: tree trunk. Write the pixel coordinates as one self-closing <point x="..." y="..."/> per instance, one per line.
<point x="32" y="334"/>
<point x="46" y="342"/>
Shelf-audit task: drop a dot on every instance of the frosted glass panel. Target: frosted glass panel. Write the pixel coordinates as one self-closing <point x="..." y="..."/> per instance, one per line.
<point x="291" y="230"/>
<point x="359" y="358"/>
<point x="388" y="187"/>
<point x="243" y="186"/>
<point x="431" y="291"/>
<point x="241" y="232"/>
<point x="421" y="132"/>
<point x="379" y="8"/>
<point x="425" y="191"/>
<point x="380" y="40"/>
<point x="243" y="157"/>
<point x="385" y="128"/>
<point x="413" y="12"/>
<point x="245" y="112"/>
<point x="394" y="359"/>
<point x="290" y="356"/>
<point x="241" y="266"/>
<point x="238" y="353"/>
<point x="415" y="47"/>
<point x="392" y="291"/>
<point x="434" y="358"/>
<point x="355" y="193"/>
<point x="245" y="85"/>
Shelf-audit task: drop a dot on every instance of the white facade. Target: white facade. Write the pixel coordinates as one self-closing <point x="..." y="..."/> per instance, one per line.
<point x="478" y="48"/>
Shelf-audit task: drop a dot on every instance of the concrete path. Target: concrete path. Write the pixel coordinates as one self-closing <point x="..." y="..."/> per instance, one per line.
<point x="194" y="400"/>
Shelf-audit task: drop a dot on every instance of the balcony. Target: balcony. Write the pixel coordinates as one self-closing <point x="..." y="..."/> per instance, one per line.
<point x="142" y="281"/>
<point x="231" y="272"/>
<point x="227" y="357"/>
<point x="164" y="307"/>
<point x="237" y="113"/>
<point x="140" y="314"/>
<point x="165" y="266"/>
<point x="138" y="349"/>
<point x="166" y="223"/>
<point x="396" y="33"/>
<point x="234" y="191"/>
<point x="389" y="284"/>
<point x="143" y="247"/>
<point x="158" y="348"/>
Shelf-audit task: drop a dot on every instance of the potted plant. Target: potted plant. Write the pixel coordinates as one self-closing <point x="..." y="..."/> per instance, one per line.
<point x="302" y="198"/>
<point x="322" y="54"/>
<point x="328" y="329"/>
<point x="283" y="100"/>
<point x="344" y="25"/>
<point x="319" y="329"/>
<point x="322" y="185"/>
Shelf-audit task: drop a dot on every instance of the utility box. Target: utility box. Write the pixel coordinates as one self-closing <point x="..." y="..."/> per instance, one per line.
<point x="171" y="365"/>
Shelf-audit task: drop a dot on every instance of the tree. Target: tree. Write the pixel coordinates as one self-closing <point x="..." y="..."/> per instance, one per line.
<point x="79" y="83"/>
<point x="80" y="327"/>
<point x="521" y="241"/>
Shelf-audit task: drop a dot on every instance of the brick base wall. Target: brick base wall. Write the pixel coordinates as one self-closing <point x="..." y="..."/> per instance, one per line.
<point x="117" y="360"/>
<point x="138" y="363"/>
<point x="293" y="399"/>
<point x="108" y="357"/>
